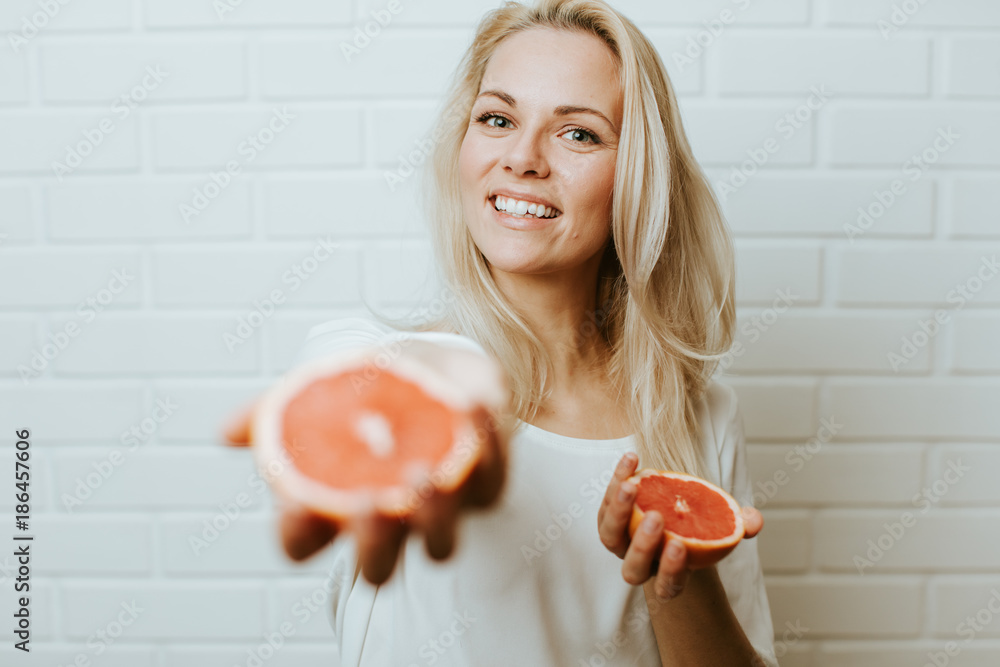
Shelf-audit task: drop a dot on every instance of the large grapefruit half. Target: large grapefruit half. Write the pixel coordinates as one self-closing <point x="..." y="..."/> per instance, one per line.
<point x="341" y="435"/>
<point x="701" y="515"/>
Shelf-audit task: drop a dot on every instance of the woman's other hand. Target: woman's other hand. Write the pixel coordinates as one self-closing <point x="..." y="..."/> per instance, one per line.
<point x="436" y="512"/>
<point x="646" y="556"/>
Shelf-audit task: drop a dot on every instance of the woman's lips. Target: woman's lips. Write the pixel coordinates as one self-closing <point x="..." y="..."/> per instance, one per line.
<point x="524" y="206"/>
<point x="519" y="222"/>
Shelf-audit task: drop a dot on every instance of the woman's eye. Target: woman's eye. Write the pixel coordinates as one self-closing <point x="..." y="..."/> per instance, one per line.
<point x="581" y="136"/>
<point x="497" y="121"/>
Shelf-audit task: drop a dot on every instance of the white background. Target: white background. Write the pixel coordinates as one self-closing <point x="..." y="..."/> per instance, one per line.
<point x="933" y="66"/>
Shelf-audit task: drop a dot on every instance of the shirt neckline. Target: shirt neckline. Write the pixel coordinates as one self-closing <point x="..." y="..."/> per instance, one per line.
<point x="577" y="443"/>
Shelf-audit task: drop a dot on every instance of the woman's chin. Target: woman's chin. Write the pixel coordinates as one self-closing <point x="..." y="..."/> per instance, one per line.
<point x="514" y="265"/>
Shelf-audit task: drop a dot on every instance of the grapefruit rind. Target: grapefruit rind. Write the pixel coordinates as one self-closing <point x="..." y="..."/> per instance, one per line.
<point x="276" y="467"/>
<point x="700" y="552"/>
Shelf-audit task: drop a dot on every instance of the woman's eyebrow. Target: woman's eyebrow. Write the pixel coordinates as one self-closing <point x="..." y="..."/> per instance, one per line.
<point x="502" y="95"/>
<point x="568" y="109"/>
<point x="564" y="110"/>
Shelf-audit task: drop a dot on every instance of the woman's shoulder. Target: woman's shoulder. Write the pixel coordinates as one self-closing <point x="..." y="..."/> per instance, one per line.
<point x="720" y="403"/>
<point x="722" y="436"/>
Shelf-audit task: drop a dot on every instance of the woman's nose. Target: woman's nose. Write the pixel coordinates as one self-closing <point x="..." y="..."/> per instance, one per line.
<point x="525" y="155"/>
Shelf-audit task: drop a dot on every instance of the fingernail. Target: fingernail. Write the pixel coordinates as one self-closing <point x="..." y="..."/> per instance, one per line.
<point x="674" y="550"/>
<point x="625" y="491"/>
<point x="651" y="524"/>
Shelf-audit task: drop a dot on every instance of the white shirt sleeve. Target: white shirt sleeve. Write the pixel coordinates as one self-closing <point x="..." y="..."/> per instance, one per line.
<point x="740" y="571"/>
<point x="340" y="334"/>
<point x="347" y="332"/>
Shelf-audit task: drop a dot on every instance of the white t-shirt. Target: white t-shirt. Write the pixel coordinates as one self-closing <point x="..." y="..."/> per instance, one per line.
<point x="529" y="582"/>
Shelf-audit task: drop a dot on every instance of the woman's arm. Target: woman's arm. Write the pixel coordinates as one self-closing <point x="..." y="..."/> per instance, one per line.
<point x="698" y="627"/>
<point x="693" y="629"/>
<point x="378" y="537"/>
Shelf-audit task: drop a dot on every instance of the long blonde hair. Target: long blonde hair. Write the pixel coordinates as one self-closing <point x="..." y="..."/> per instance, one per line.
<point x="665" y="287"/>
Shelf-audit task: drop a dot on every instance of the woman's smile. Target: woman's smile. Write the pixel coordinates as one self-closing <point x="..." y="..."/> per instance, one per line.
<point x="540" y="152"/>
<point x="522" y="212"/>
<point x="525" y="205"/>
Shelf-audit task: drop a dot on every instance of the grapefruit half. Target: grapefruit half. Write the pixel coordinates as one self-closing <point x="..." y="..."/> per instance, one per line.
<point x="343" y="434"/>
<point x="701" y="515"/>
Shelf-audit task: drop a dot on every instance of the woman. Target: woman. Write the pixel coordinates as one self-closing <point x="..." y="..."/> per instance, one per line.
<point x="590" y="273"/>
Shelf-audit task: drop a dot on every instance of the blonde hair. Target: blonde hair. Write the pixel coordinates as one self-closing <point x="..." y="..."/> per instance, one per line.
<point x="665" y="286"/>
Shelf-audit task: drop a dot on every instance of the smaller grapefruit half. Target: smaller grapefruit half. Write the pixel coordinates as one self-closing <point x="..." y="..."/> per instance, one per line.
<point x="342" y="435"/>
<point x="701" y="515"/>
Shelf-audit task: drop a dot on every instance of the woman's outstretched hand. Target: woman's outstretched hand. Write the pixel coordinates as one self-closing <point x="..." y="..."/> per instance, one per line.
<point x="378" y="537"/>
<point x="646" y="556"/>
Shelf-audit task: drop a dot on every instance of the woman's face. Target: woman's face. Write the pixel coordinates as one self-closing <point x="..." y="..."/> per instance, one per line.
<point x="542" y="141"/>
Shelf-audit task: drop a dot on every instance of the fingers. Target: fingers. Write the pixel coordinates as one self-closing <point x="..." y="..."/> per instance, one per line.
<point x="753" y="521"/>
<point x="303" y="532"/>
<point x="490" y="473"/>
<point x="379" y="539"/>
<point x="643" y="550"/>
<point x="436" y="518"/>
<point x="616" y="509"/>
<point x="673" y="573"/>
<point x="237" y="431"/>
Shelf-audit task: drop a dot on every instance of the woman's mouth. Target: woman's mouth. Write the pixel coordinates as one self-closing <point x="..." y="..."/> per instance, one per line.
<point x="518" y="208"/>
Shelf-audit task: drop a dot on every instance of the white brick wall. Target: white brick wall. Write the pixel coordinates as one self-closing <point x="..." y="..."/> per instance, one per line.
<point x="874" y="216"/>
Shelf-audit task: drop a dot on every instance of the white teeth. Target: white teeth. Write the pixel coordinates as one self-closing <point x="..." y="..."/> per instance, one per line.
<point x="520" y="208"/>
